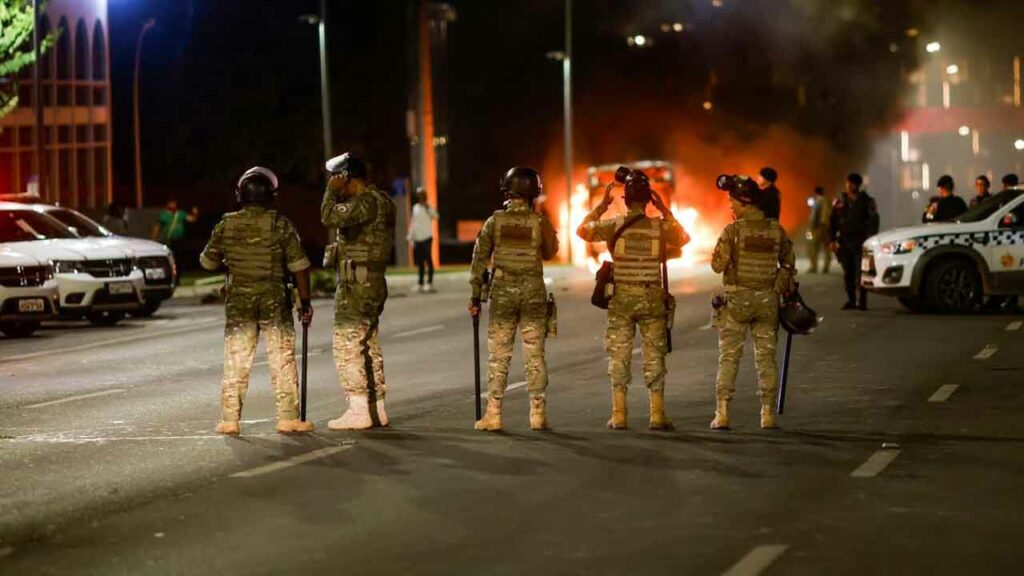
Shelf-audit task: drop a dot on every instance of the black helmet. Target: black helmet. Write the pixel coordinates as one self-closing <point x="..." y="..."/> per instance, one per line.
<point x="346" y="165"/>
<point x="742" y="188"/>
<point x="796" y="317"/>
<point x="638" y="188"/>
<point x="520" y="182"/>
<point x="257" y="186"/>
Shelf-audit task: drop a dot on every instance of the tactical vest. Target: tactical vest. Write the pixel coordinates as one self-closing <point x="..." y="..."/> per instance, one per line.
<point x="758" y="244"/>
<point x="637" y="253"/>
<point x="371" y="243"/>
<point x="517" y="242"/>
<point x="252" y="246"/>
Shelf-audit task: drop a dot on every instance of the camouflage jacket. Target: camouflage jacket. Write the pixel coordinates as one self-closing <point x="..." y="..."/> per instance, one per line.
<point x="256" y="245"/>
<point x="365" y="223"/>
<point x="517" y="238"/>
<point x="755" y="253"/>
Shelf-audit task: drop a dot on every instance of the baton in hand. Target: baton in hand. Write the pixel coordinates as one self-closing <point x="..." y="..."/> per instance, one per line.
<point x="305" y="357"/>
<point x="476" y="362"/>
<point x="781" y="403"/>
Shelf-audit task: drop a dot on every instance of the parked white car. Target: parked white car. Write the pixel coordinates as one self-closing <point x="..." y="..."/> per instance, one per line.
<point x="28" y="293"/>
<point x="94" y="280"/>
<point x="952" y="266"/>
<point x="154" y="259"/>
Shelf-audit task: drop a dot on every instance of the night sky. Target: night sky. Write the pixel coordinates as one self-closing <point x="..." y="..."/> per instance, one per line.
<point x="232" y="83"/>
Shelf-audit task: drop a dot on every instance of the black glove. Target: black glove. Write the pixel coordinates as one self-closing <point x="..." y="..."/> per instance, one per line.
<point x="306" y="310"/>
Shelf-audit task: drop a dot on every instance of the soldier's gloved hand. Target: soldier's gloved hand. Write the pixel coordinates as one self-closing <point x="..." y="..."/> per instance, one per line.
<point x="659" y="204"/>
<point x="474" y="307"/>
<point x="336" y="183"/>
<point x="306" y="312"/>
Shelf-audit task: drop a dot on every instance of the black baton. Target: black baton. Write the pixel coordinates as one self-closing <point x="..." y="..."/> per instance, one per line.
<point x="476" y="362"/>
<point x="781" y="404"/>
<point x="305" y="357"/>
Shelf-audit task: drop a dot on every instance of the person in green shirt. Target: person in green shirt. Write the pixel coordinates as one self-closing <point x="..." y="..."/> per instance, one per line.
<point x="170" y="224"/>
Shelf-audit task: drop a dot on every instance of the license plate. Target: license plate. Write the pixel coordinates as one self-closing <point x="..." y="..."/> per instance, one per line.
<point x="866" y="264"/>
<point x="156" y="274"/>
<point x="121" y="288"/>
<point x="32" y="305"/>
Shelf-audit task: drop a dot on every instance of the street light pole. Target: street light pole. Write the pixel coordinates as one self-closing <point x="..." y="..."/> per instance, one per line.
<point x="135" y="112"/>
<point x="37" y="101"/>
<point x="567" y="104"/>
<point x="325" y="90"/>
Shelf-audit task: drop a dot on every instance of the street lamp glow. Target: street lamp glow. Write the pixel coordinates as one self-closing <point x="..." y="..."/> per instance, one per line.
<point x="677" y="27"/>
<point x="964" y="130"/>
<point x="933" y="47"/>
<point x="640" y="40"/>
<point x="707" y="105"/>
<point x="1019" y="144"/>
<point x="952" y="69"/>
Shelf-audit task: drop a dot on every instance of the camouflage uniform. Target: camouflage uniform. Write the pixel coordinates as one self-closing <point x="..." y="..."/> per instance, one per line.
<point x="518" y="240"/>
<point x="639" y="299"/>
<point x="756" y="259"/>
<point x="365" y="226"/>
<point x="257" y="246"/>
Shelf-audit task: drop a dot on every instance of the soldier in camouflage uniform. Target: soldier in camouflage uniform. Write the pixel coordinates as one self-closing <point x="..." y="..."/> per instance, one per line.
<point x="755" y="257"/>
<point x="364" y="218"/>
<point x="517" y="240"/>
<point x="639" y="298"/>
<point x="259" y="247"/>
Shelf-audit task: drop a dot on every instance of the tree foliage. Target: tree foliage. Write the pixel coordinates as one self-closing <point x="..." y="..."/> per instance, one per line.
<point x="16" y="49"/>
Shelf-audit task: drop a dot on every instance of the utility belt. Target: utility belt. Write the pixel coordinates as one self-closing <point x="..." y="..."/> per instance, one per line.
<point x="355" y="271"/>
<point x="551" y="329"/>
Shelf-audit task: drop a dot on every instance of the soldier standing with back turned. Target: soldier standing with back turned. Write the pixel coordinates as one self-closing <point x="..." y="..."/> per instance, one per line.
<point x="639" y="298"/>
<point x="755" y="258"/>
<point x="259" y="247"/>
<point x="517" y="240"/>
<point x="365" y="221"/>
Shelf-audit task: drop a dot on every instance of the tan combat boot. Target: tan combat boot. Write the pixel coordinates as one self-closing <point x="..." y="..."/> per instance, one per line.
<point x="539" y="413"/>
<point x="658" y="421"/>
<point x="293" y="426"/>
<point x="721" y="421"/>
<point x="382" y="415"/>
<point x="357" y="417"/>
<point x="491" y="421"/>
<point x="229" y="428"/>
<point x="768" y="415"/>
<point x="618" y="419"/>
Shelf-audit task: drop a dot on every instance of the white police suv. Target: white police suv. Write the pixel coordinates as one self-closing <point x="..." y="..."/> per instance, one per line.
<point x="952" y="266"/>
<point x="28" y="292"/>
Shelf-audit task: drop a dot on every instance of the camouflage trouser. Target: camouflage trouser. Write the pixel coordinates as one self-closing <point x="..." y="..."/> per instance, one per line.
<point x="758" y="312"/>
<point x="517" y="302"/>
<point x="630" y="307"/>
<point x="357" y="352"/>
<point x="247" y="314"/>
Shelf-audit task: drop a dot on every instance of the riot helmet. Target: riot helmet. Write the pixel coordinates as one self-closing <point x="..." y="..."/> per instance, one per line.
<point x="741" y="188"/>
<point x="258" y="185"/>
<point x="521" y="182"/>
<point x="638" y="188"/>
<point x="796" y="316"/>
<point x="346" y="166"/>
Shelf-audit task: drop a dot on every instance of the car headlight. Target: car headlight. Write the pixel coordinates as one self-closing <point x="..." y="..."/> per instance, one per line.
<point x="900" y="247"/>
<point x="67" y="266"/>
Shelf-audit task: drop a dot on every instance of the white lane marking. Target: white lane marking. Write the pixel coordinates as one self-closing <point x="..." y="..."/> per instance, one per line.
<point x="508" y="388"/>
<point x="638" y="351"/>
<point x="706" y="326"/>
<point x="875" y="463"/>
<point x="133" y="338"/>
<point x="418" y="331"/>
<point x="294" y="461"/>
<point x="757" y="560"/>
<point x="60" y="439"/>
<point x="986" y="352"/>
<point x="1014" y="326"/>
<point x="78" y="397"/>
<point x="943" y="393"/>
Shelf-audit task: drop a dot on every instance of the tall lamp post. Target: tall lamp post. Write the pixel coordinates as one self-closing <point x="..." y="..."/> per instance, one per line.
<point x="325" y="86"/>
<point x="135" y="111"/>
<point x="565" y="57"/>
<point x="37" y="101"/>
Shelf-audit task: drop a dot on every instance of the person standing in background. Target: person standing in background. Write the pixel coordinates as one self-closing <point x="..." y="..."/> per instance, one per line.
<point x="817" y="230"/>
<point x="772" y="203"/>
<point x="1009" y="181"/>
<point x="115" y="220"/>
<point x="947" y="206"/>
<point x="421" y="238"/>
<point x="854" y="219"/>
<point x="169" y="228"/>
<point x="981" y="189"/>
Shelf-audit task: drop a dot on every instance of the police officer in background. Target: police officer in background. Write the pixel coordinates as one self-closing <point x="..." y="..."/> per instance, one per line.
<point x="1009" y="181"/>
<point x="516" y="241"/>
<point x="981" y="190"/>
<point x="259" y="247"/>
<point x="639" y="298"/>
<point x="364" y="218"/>
<point x="854" y="219"/>
<point x="755" y="258"/>
<point x="817" y="230"/>
<point x="772" y="206"/>
<point x="947" y="206"/>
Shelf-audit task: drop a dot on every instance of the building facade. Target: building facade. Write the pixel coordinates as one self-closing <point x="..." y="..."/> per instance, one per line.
<point x="76" y="166"/>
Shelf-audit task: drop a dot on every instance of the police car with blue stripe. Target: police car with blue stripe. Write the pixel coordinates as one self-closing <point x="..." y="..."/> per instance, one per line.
<point x="952" y="266"/>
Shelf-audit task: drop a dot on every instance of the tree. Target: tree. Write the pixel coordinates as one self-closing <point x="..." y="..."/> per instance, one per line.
<point x="16" y="49"/>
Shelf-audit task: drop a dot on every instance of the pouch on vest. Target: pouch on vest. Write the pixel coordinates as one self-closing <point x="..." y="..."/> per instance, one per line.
<point x="331" y="256"/>
<point x="603" y="286"/>
<point x="718" y="304"/>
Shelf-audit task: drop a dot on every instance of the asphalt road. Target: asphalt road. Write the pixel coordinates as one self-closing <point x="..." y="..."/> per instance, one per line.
<point x="901" y="451"/>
